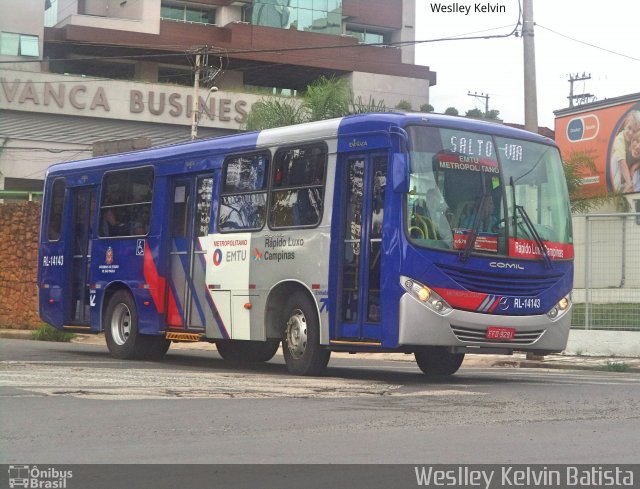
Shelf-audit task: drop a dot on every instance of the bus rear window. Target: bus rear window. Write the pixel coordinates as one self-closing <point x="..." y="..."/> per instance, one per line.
<point x="125" y="208"/>
<point x="56" y="207"/>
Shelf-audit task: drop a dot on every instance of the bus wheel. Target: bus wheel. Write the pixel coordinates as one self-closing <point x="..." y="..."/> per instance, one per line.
<point x="247" y="351"/>
<point x="155" y="347"/>
<point x="303" y="353"/>
<point x="121" y="328"/>
<point x="437" y="361"/>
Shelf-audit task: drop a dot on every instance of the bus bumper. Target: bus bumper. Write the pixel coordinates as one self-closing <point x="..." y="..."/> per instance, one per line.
<point x="466" y="331"/>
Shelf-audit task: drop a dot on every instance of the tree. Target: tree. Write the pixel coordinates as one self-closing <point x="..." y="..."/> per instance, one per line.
<point x="474" y="113"/>
<point x="274" y="112"/>
<point x="451" y="111"/>
<point x="426" y="108"/>
<point x="325" y="98"/>
<point x="493" y="114"/>
<point x="577" y="165"/>
<point x="403" y="105"/>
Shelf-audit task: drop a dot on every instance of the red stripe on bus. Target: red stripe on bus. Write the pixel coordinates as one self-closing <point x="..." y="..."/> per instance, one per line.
<point x="157" y="284"/>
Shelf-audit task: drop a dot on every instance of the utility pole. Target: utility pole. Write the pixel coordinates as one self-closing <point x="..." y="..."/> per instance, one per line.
<point x="195" y="103"/>
<point x="486" y="100"/>
<point x="530" y="93"/>
<point x="583" y="97"/>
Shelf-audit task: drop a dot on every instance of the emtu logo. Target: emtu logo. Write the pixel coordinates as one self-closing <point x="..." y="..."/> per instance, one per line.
<point x="257" y="256"/>
<point x="217" y="257"/>
<point x="583" y="128"/>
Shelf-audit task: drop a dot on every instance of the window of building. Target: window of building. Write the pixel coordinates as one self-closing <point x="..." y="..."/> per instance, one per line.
<point x="297" y="190"/>
<point x="14" y="44"/>
<point x="175" y="75"/>
<point x="56" y="207"/>
<point x="125" y="207"/>
<point x="304" y="15"/>
<point x="187" y="13"/>
<point x="243" y="202"/>
<point x="366" y="36"/>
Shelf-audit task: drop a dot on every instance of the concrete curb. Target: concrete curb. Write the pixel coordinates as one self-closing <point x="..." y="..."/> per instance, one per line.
<point x="552" y="362"/>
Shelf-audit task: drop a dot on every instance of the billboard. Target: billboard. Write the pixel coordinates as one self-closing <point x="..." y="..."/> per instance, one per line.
<point x="609" y="132"/>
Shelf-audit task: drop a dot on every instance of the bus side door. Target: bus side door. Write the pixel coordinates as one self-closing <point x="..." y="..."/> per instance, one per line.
<point x="189" y="220"/>
<point x="362" y="212"/>
<point x="80" y="240"/>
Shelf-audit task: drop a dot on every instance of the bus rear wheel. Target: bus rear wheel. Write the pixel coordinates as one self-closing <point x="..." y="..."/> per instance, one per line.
<point x="301" y="347"/>
<point x="436" y="361"/>
<point x="247" y="351"/>
<point x="121" y="331"/>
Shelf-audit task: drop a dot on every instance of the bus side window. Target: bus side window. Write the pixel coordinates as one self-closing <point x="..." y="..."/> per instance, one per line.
<point x="243" y="202"/>
<point x="297" y="191"/>
<point x="56" y="207"/>
<point x="125" y="206"/>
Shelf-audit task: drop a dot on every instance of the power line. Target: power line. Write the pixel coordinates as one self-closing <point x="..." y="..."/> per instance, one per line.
<point x="587" y="43"/>
<point x="229" y="52"/>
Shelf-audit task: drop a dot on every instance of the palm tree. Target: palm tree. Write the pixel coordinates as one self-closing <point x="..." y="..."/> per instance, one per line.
<point x="577" y="165"/>
<point x="325" y="98"/>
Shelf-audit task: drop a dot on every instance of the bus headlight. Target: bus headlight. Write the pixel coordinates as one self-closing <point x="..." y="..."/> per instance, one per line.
<point x="560" y="308"/>
<point x="425" y="295"/>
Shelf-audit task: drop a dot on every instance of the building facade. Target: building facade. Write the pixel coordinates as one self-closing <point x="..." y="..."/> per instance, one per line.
<point x="74" y="72"/>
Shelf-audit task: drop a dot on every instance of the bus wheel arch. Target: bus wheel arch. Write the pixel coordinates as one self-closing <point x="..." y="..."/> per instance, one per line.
<point x="292" y="313"/>
<point x="119" y="320"/>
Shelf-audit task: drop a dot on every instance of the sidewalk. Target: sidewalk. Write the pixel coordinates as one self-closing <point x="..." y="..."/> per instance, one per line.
<point x="517" y="360"/>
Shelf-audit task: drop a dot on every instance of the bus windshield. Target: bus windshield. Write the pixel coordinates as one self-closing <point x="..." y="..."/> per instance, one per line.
<point x="478" y="193"/>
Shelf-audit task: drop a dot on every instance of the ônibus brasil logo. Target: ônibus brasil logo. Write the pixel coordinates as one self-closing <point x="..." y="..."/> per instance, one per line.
<point x="35" y="478"/>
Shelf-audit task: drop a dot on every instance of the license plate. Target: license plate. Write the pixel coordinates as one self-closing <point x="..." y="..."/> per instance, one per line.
<point x="503" y="334"/>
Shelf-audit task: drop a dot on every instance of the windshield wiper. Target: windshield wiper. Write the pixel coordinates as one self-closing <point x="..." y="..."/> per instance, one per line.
<point x="530" y="227"/>
<point x="536" y="236"/>
<point x="473" y="232"/>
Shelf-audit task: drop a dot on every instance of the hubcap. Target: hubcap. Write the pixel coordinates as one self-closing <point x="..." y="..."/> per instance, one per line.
<point x="121" y="324"/>
<point x="297" y="334"/>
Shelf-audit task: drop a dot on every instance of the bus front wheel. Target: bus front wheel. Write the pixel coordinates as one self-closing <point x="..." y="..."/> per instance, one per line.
<point x="121" y="331"/>
<point x="301" y="347"/>
<point x="437" y="361"/>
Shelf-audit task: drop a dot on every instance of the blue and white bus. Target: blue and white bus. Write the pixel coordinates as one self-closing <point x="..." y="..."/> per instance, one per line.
<point x="293" y="236"/>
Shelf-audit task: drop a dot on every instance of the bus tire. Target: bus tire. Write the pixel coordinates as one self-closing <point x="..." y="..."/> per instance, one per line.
<point x="247" y="351"/>
<point x="121" y="328"/>
<point x="155" y="347"/>
<point x="436" y="361"/>
<point x="301" y="347"/>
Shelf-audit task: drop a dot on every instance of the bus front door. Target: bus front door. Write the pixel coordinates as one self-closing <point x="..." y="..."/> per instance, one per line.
<point x="359" y="309"/>
<point x="189" y="216"/>
<point x="81" y="300"/>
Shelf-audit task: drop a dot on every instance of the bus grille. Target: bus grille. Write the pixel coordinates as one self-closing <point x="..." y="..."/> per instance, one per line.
<point x="478" y="336"/>
<point x="500" y="284"/>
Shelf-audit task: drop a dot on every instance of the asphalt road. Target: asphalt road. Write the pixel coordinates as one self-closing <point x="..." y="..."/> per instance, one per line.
<point x="72" y="403"/>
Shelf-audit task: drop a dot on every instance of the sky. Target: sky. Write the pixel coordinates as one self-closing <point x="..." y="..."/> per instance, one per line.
<point x="495" y="66"/>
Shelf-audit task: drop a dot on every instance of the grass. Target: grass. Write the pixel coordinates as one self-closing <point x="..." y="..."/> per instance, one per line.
<point x="623" y="316"/>
<point x="49" y="333"/>
<point x="617" y="366"/>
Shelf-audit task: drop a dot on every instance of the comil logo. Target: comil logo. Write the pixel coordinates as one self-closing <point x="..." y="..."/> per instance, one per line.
<point x="506" y="266"/>
<point x="36" y="478"/>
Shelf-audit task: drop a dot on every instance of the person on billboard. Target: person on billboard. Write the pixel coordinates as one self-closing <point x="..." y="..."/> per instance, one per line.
<point x="634" y="161"/>
<point x="621" y="160"/>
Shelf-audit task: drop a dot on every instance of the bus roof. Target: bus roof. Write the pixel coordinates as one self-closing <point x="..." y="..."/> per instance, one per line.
<point x="353" y="124"/>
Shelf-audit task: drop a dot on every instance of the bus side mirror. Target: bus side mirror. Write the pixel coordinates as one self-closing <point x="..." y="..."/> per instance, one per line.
<point x="400" y="173"/>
